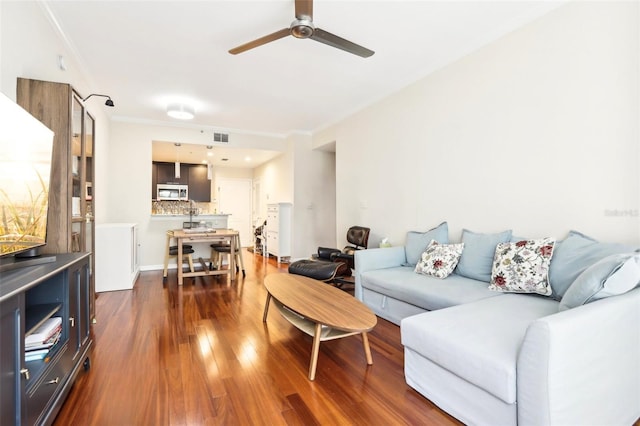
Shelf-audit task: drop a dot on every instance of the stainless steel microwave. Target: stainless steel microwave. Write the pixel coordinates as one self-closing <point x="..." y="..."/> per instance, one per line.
<point x="172" y="192"/>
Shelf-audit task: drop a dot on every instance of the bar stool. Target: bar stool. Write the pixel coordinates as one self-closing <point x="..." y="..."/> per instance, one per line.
<point x="170" y="251"/>
<point x="219" y="249"/>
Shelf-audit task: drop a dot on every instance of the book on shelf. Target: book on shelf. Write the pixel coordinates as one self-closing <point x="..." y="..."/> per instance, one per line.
<point x="44" y="332"/>
<point x="35" y="356"/>
<point x="55" y="338"/>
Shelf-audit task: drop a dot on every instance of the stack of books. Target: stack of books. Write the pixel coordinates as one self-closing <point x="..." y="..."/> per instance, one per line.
<point x="38" y="344"/>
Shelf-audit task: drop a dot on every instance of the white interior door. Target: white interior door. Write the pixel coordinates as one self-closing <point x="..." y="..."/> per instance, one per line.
<point x="234" y="198"/>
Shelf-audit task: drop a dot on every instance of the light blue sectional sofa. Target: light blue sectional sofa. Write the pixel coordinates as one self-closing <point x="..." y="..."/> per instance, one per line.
<point x="502" y="358"/>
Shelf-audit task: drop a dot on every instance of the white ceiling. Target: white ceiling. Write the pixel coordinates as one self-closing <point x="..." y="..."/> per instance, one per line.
<point x="217" y="155"/>
<point x="147" y="54"/>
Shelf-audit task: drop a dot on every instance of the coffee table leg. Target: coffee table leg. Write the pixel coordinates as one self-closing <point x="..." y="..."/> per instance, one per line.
<point x="314" y="352"/>
<point x="367" y="349"/>
<point x="266" y="308"/>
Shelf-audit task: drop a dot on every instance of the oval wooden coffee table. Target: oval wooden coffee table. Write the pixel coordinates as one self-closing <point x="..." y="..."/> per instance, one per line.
<point x="320" y="310"/>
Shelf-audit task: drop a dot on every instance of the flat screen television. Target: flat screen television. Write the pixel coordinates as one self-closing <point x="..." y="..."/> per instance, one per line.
<point x="26" y="147"/>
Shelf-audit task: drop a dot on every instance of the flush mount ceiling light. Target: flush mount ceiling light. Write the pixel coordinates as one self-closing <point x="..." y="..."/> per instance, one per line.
<point x="180" y="111"/>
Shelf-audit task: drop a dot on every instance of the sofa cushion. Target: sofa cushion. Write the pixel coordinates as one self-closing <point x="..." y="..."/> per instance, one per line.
<point x="523" y="266"/>
<point x="426" y="292"/>
<point x="479" y="341"/>
<point x="611" y="276"/>
<point x="479" y="249"/>
<point x="439" y="260"/>
<point x="574" y="255"/>
<point x="417" y="242"/>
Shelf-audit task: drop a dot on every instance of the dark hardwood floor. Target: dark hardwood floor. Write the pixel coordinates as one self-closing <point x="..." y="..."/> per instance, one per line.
<point x="200" y="355"/>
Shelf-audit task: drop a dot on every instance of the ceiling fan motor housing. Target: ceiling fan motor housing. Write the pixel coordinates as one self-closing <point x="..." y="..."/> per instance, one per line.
<point x="302" y="28"/>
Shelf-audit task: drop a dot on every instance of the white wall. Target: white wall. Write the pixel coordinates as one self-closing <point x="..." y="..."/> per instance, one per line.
<point x="314" y="210"/>
<point x="276" y="178"/>
<point x="536" y="132"/>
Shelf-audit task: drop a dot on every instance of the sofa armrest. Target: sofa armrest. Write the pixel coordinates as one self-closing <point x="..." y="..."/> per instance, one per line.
<point x="582" y="366"/>
<point x="376" y="258"/>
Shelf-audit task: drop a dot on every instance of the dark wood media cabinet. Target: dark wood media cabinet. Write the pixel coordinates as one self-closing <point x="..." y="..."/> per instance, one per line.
<point x="32" y="392"/>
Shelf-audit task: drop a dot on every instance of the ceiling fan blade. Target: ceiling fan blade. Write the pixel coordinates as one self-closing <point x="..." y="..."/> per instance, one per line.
<point x="304" y="9"/>
<point x="260" y="41"/>
<point x="340" y="43"/>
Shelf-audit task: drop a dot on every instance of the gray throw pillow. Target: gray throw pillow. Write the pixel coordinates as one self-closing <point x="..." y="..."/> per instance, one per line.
<point x="417" y="242"/>
<point x="574" y="255"/>
<point x="479" y="249"/>
<point x="615" y="274"/>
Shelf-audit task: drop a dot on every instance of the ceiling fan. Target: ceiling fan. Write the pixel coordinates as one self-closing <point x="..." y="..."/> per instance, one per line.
<point x="302" y="27"/>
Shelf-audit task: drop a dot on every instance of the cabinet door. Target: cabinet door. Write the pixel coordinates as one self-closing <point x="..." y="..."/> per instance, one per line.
<point x="273" y="246"/>
<point x="86" y="291"/>
<point x="74" y="304"/>
<point x="154" y="180"/>
<point x="11" y="384"/>
<point x="199" y="185"/>
<point x="79" y="313"/>
<point x="166" y="173"/>
<point x="78" y="175"/>
<point x="88" y="242"/>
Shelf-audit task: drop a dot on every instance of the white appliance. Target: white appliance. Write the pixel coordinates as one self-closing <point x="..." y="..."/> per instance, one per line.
<point x="172" y="192"/>
<point x="116" y="256"/>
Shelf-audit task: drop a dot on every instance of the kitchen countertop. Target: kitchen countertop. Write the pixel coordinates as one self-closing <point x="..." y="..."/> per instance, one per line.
<point x="186" y="216"/>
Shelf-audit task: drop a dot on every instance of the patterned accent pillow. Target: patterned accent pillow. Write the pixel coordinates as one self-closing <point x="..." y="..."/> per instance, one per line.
<point x="439" y="260"/>
<point x="523" y="266"/>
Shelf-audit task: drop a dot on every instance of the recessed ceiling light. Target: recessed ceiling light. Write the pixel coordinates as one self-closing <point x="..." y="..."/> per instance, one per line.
<point x="247" y="158"/>
<point x="180" y="111"/>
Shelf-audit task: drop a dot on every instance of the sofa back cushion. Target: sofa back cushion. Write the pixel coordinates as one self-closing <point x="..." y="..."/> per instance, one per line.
<point x="417" y="242"/>
<point x="614" y="275"/>
<point x="477" y="257"/>
<point x="574" y="255"/>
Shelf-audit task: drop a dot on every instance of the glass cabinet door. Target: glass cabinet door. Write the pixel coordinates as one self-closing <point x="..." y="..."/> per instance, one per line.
<point x="77" y="174"/>
<point x="87" y="195"/>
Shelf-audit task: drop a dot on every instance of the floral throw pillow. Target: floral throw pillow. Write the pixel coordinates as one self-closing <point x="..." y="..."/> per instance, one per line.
<point x="439" y="260"/>
<point x="523" y="266"/>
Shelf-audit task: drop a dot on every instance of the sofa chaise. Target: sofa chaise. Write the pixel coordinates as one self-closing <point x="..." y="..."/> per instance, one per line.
<point x="564" y="352"/>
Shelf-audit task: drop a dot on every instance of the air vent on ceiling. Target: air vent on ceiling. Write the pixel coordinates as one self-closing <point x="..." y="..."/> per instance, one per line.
<point x="220" y="137"/>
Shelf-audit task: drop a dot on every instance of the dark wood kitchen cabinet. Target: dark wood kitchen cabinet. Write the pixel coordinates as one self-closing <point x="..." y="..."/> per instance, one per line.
<point x="199" y="185"/>
<point x="154" y="180"/>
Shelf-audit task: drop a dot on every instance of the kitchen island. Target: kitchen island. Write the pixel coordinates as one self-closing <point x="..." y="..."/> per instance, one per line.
<point x="177" y="221"/>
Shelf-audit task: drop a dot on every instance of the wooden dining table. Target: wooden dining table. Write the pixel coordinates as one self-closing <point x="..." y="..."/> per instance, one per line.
<point x="211" y="236"/>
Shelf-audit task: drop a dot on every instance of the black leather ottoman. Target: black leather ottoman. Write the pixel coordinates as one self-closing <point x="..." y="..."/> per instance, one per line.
<point x="320" y="270"/>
